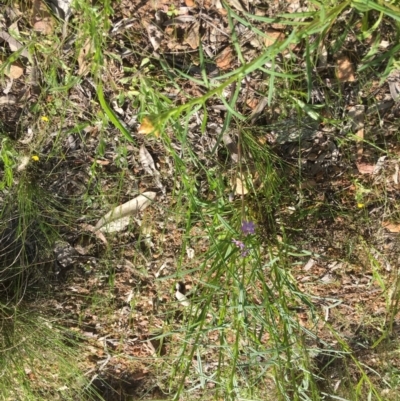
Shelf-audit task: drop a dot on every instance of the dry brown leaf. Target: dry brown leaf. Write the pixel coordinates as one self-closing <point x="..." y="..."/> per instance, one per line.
<point x="224" y="59"/>
<point x="391" y="227"/>
<point x="365" y="168"/>
<point x="345" y="69"/>
<point x="42" y="21"/>
<point x="16" y="71"/>
<point x="83" y="57"/>
<point x="192" y="38"/>
<point x="147" y="127"/>
<point x="190" y="3"/>
<point x="272" y="37"/>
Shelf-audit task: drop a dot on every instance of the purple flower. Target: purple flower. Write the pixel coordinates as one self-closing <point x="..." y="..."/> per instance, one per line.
<point x="239" y="244"/>
<point x="242" y="246"/>
<point x="248" y="227"/>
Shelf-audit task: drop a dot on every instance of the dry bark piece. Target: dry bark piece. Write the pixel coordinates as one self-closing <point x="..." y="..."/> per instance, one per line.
<point x="127" y="209"/>
<point x="345" y="69"/>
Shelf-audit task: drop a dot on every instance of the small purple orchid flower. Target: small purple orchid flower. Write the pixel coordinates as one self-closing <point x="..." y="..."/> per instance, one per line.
<point x="239" y="244"/>
<point x="242" y="247"/>
<point x="248" y="227"/>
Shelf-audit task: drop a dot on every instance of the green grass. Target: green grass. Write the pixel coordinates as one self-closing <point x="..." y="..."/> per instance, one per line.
<point x="251" y="331"/>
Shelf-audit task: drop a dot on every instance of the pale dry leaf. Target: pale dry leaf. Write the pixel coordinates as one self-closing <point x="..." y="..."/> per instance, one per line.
<point x="193" y="38"/>
<point x="322" y="56"/>
<point x="379" y="165"/>
<point x="14" y="44"/>
<point x="309" y="264"/>
<point x="394" y="84"/>
<point x="155" y="34"/>
<point x="9" y="85"/>
<point x="182" y="298"/>
<point x="391" y="227"/>
<point x="231" y="146"/>
<point x="240" y="186"/>
<point x="272" y="37"/>
<point x="146" y="160"/>
<point x="236" y="4"/>
<point x="345" y="69"/>
<point x="359" y="145"/>
<point x="14" y="30"/>
<point x="116" y="225"/>
<point x="365" y="168"/>
<point x="129" y="208"/>
<point x="15" y="71"/>
<point x="224" y="59"/>
<point x="9" y="99"/>
<point x="84" y="56"/>
<point x="396" y="174"/>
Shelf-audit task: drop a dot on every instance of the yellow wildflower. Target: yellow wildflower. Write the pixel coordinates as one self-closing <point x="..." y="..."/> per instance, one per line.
<point x="35" y="158"/>
<point x="45" y="119"/>
<point x="360" y="205"/>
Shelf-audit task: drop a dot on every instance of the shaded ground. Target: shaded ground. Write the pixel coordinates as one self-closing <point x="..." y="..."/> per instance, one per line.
<point x="339" y="198"/>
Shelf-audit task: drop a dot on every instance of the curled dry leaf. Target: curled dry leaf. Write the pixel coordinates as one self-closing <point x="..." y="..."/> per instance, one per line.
<point x="127" y="209"/>
<point x="115" y="226"/>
